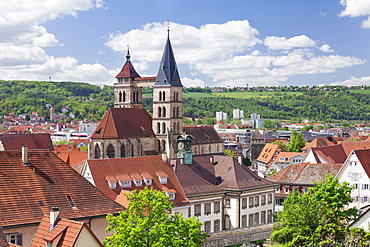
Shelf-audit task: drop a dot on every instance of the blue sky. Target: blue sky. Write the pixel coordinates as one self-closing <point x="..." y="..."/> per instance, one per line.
<point x="216" y="43"/>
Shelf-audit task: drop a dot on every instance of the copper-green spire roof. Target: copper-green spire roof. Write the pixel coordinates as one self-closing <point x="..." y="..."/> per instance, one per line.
<point x="168" y="75"/>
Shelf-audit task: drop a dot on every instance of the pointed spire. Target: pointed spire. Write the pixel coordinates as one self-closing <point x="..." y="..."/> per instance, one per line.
<point x="168" y="75"/>
<point x="128" y="56"/>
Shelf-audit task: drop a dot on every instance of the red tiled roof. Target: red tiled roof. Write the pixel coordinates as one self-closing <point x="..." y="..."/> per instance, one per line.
<point x="128" y="70"/>
<point x="33" y="141"/>
<point x="319" y="142"/>
<point x="203" y="134"/>
<point x="268" y="153"/>
<point x="72" y="158"/>
<point x="332" y="154"/>
<point x="364" y="158"/>
<point x="68" y="232"/>
<point x="27" y="192"/>
<point x="124" y="123"/>
<point x="348" y="146"/>
<point x="124" y="169"/>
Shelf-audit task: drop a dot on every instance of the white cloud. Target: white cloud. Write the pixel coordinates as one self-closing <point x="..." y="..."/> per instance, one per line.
<point x="354" y="81"/>
<point x="326" y="48"/>
<point x="187" y="82"/>
<point x="46" y="40"/>
<point x="282" y="43"/>
<point x="355" y="8"/>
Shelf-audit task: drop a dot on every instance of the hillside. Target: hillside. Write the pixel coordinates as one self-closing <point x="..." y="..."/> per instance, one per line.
<point x="87" y="101"/>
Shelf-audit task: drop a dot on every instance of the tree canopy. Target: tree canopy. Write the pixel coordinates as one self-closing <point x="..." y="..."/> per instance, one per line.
<point x="296" y="142"/>
<point x="319" y="217"/>
<point x="147" y="221"/>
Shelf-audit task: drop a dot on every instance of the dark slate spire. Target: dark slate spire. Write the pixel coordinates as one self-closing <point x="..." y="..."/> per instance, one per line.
<point x="168" y="75"/>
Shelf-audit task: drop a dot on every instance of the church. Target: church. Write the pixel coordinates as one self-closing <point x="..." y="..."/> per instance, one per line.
<point x="127" y="130"/>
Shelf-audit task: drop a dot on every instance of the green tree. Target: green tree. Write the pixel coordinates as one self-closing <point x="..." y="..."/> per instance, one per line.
<point x="296" y="142"/>
<point x="147" y="221"/>
<point x="283" y="146"/>
<point x="307" y="128"/>
<point x="319" y="217"/>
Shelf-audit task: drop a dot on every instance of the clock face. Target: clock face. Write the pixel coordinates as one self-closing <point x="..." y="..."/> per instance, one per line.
<point x="181" y="145"/>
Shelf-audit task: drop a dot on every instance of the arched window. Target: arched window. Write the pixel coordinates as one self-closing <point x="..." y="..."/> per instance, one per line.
<point x="159" y="145"/>
<point x="163" y="128"/>
<point x="119" y="96"/>
<point x="160" y="95"/>
<point x="177" y="111"/>
<point x="159" y="112"/>
<point x="123" y="151"/>
<point x="164" y="111"/>
<point x="110" y="151"/>
<point x="124" y="96"/>
<point x="158" y="128"/>
<point x="97" y="152"/>
<point x="164" y="96"/>
<point x="140" y="151"/>
<point x="174" y="112"/>
<point x="163" y="145"/>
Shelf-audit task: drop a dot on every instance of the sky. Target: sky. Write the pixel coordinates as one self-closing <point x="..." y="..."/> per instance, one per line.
<point x="216" y="43"/>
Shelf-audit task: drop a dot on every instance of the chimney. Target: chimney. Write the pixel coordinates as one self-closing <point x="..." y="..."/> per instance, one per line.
<point x="164" y="157"/>
<point x="54" y="213"/>
<point x="25" y="155"/>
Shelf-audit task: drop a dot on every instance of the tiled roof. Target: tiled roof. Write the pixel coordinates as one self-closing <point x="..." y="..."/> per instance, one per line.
<point x="304" y="173"/>
<point x="124" y="123"/>
<point x="319" y="142"/>
<point x="72" y="158"/>
<point x="124" y="169"/>
<point x="128" y="69"/>
<point x="268" y="153"/>
<point x="348" y="146"/>
<point x="33" y="141"/>
<point x="64" y="234"/>
<point x="364" y="158"/>
<point x="27" y="192"/>
<point x="203" y="134"/>
<point x="331" y="154"/>
<point x="226" y="173"/>
<point x="256" y="135"/>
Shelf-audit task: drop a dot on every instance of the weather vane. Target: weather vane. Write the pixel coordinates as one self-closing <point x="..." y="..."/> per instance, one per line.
<point x="168" y="26"/>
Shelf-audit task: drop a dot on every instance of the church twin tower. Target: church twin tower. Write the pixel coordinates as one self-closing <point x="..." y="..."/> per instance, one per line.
<point x="125" y="132"/>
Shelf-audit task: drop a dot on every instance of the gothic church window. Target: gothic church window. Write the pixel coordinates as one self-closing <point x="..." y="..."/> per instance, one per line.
<point x="110" y="151"/>
<point x="123" y="151"/>
<point x="97" y="152"/>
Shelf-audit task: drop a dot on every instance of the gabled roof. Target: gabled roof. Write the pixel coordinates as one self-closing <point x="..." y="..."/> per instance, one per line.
<point x="331" y="154"/>
<point x="122" y="123"/>
<point x="27" y="192"/>
<point x="304" y="173"/>
<point x="72" y="158"/>
<point x="68" y="231"/>
<point x="225" y="173"/>
<point x="203" y="134"/>
<point x="128" y="169"/>
<point x="33" y="141"/>
<point x="319" y="142"/>
<point x="256" y="135"/>
<point x="128" y="70"/>
<point x="364" y="158"/>
<point x="348" y="146"/>
<point x="268" y="152"/>
<point x="168" y="75"/>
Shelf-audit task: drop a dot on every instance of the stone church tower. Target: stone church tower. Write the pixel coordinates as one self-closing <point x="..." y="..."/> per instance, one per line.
<point x="127" y="93"/>
<point x="167" y="103"/>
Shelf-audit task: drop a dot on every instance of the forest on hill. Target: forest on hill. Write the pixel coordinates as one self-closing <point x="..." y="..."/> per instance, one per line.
<point x="85" y="101"/>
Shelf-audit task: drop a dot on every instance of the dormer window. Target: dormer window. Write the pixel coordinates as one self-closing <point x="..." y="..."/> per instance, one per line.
<point x="112" y="182"/>
<point x="163" y="180"/>
<point x="282" y="159"/>
<point x="125" y="184"/>
<point x="138" y="182"/>
<point x="162" y="177"/>
<point x="112" y="185"/>
<point x="148" y="181"/>
<point x="171" y="196"/>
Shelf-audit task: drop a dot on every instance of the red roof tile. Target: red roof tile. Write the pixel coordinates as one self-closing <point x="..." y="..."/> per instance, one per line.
<point x="122" y="123"/>
<point x="27" y="192"/>
<point x="33" y="141"/>
<point x="124" y="169"/>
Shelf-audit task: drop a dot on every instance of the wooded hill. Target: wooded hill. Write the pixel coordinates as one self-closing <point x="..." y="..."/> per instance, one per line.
<point x="85" y="101"/>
